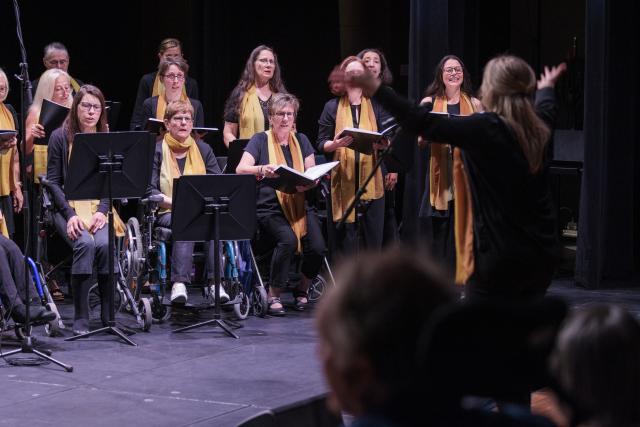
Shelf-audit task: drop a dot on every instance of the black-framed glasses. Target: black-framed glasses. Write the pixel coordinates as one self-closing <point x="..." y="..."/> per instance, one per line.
<point x="174" y="77"/>
<point x="180" y="119"/>
<point x="87" y="106"/>
<point x="453" y="70"/>
<point x="283" y="114"/>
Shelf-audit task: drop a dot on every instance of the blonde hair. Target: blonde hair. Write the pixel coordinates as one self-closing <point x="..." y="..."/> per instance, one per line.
<point x="176" y="107"/>
<point x="3" y="76"/>
<point x="508" y="85"/>
<point x="46" y="86"/>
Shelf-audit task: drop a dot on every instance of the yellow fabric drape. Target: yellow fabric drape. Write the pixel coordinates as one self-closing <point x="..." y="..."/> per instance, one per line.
<point x="343" y="178"/>
<point x="463" y="208"/>
<point x="74" y="84"/>
<point x="7" y="157"/>
<point x="162" y="106"/>
<point x="158" y="90"/>
<point x="169" y="170"/>
<point x="292" y="204"/>
<point x="251" y="119"/>
<point x="85" y="209"/>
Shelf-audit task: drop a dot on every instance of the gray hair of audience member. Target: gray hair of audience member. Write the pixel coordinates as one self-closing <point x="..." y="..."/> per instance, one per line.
<point x="280" y="100"/>
<point x="369" y="326"/>
<point x="596" y="363"/>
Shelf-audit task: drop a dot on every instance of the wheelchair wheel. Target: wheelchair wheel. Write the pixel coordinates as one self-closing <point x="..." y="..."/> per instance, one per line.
<point x="259" y="301"/>
<point x="242" y="308"/>
<point x="131" y="255"/>
<point x="159" y="312"/>
<point x="144" y="306"/>
<point x="316" y="288"/>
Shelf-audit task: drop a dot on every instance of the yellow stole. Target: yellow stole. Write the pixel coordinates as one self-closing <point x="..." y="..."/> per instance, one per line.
<point x="162" y="105"/>
<point x="169" y="170"/>
<point x="85" y="209"/>
<point x="343" y="178"/>
<point x="8" y="179"/>
<point x="292" y="204"/>
<point x="251" y="118"/>
<point x="74" y="84"/>
<point x="440" y="182"/>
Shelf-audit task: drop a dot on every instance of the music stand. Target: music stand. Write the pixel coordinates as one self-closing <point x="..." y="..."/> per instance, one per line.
<point x="109" y="165"/>
<point x="236" y="150"/>
<point x="218" y="207"/>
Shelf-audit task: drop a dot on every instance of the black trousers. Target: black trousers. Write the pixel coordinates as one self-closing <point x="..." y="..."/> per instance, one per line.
<point x="12" y="275"/>
<point x="88" y="249"/>
<point x="371" y="225"/>
<point x="182" y="255"/>
<point x="276" y="227"/>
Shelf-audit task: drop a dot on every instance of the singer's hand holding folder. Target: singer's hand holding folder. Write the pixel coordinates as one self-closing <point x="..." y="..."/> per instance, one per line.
<point x="288" y="178"/>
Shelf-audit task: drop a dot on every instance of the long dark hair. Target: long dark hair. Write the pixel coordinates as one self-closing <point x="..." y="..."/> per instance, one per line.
<point x="437" y="87"/>
<point x="72" y="124"/>
<point x="248" y="77"/>
<point x="385" y="73"/>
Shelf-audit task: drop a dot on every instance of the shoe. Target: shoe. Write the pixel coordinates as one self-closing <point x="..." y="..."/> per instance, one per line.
<point x="224" y="296"/>
<point x="275" y="311"/>
<point x="300" y="300"/>
<point x="47" y="316"/>
<point x="178" y="293"/>
<point x="19" y="313"/>
<point x="80" y="326"/>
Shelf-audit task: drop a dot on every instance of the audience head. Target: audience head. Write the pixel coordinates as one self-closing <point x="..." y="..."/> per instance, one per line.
<point x="595" y="364"/>
<point x="449" y="73"/>
<point x="178" y="119"/>
<point x="169" y="49"/>
<point x="508" y="84"/>
<point x="54" y="85"/>
<point x="87" y="114"/>
<point x="56" y="56"/>
<point x="376" y="62"/>
<point x="369" y="325"/>
<point x="4" y="86"/>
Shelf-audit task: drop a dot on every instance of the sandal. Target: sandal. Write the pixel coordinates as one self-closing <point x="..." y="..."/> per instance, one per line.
<point x="57" y="294"/>
<point x="275" y="311"/>
<point x="300" y="300"/>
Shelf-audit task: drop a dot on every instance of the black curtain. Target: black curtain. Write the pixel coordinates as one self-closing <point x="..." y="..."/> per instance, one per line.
<point x="608" y="232"/>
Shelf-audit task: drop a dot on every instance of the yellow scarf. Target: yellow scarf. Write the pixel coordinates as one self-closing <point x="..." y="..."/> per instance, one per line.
<point x="343" y="178"/>
<point x="8" y="178"/>
<point x="74" y="84"/>
<point x="440" y="183"/>
<point x="251" y="119"/>
<point x="292" y="204"/>
<point x="158" y="88"/>
<point x="169" y="170"/>
<point x="85" y="209"/>
<point x="162" y="106"/>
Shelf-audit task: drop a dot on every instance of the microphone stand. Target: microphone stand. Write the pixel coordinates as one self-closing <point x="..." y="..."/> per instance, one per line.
<point x="25" y="99"/>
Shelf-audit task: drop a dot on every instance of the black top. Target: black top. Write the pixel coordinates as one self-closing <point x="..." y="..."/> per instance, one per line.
<point x="57" y="164"/>
<point x="514" y="220"/>
<point x="210" y="162"/>
<point x="145" y="90"/>
<point x="150" y="106"/>
<point x="234" y="116"/>
<point x="267" y="201"/>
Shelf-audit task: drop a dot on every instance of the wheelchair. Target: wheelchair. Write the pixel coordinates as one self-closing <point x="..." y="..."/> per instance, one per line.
<point x="124" y="299"/>
<point x="144" y="259"/>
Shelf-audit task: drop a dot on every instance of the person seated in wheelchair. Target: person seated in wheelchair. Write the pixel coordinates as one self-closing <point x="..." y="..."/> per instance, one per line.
<point x="82" y="222"/>
<point x="180" y="154"/>
<point x="12" y="286"/>
<point x="285" y="218"/>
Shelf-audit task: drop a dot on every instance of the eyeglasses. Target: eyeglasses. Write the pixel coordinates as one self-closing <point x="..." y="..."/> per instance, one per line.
<point x="57" y="62"/>
<point x="453" y="70"/>
<point x="87" y="106"/>
<point x="174" y="77"/>
<point x="266" y="61"/>
<point x="283" y="114"/>
<point x="3" y="89"/>
<point x="180" y="119"/>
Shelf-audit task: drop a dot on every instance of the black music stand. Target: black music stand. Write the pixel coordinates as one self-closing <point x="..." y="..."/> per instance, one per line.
<point x="236" y="150"/>
<point x="218" y="207"/>
<point x="109" y="165"/>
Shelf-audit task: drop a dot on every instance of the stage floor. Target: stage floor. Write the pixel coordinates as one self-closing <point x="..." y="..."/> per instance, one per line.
<point x="199" y="377"/>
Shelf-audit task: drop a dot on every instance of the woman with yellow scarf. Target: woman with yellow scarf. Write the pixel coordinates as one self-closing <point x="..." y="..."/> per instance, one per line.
<point x="179" y="154"/>
<point x="10" y="191"/>
<point x="285" y="218"/>
<point x="173" y="74"/>
<point x="82" y="222"/>
<point x="449" y="227"/>
<point x="352" y="109"/>
<point x="246" y="110"/>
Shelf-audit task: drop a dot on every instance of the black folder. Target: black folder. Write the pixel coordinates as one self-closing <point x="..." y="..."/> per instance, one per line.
<point x="52" y="116"/>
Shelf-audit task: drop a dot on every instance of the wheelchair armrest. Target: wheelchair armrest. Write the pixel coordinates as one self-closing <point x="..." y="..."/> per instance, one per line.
<point x="154" y="198"/>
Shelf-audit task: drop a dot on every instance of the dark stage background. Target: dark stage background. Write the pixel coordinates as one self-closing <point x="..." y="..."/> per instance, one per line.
<point x="598" y="97"/>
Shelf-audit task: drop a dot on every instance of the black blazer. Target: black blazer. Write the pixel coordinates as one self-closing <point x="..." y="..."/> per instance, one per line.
<point x="150" y="106"/>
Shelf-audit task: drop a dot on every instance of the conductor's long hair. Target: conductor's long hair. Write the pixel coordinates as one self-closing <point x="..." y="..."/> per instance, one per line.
<point x="72" y="124"/>
<point x="508" y="85"/>
<point x="248" y="78"/>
